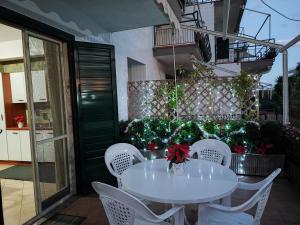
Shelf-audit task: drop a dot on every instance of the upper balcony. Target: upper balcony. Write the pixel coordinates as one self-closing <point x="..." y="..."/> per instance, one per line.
<point x="186" y="44"/>
<point x="253" y="58"/>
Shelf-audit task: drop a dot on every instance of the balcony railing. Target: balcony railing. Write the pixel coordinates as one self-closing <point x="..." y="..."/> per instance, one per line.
<point x="245" y="52"/>
<point x="167" y="36"/>
<point x="164" y="37"/>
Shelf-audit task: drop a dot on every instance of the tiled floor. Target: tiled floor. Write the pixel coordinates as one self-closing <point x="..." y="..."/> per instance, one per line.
<point x="17" y="199"/>
<point x="283" y="207"/>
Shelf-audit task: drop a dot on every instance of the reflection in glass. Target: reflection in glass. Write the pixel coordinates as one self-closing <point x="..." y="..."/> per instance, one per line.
<point x="49" y="115"/>
<point x="53" y="173"/>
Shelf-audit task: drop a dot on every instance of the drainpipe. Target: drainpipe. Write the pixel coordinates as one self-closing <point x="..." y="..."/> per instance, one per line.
<point x="285" y="88"/>
<point x="226" y="10"/>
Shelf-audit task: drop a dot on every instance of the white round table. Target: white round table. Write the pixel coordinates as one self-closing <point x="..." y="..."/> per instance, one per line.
<point x="202" y="181"/>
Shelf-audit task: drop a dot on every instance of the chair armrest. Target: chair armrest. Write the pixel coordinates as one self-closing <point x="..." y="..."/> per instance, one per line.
<point x="224" y="208"/>
<point x="251" y="186"/>
<point x="170" y="212"/>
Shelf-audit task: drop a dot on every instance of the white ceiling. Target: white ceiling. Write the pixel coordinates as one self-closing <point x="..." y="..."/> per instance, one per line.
<point x="9" y="34"/>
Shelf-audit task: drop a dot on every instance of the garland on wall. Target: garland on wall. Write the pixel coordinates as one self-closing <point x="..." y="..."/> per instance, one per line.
<point x="242" y="136"/>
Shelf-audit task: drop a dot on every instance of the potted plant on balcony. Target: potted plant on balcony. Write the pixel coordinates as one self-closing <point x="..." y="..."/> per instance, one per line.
<point x="19" y="120"/>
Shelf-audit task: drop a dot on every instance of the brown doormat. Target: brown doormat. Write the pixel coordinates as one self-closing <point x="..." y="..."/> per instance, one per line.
<point x="62" y="219"/>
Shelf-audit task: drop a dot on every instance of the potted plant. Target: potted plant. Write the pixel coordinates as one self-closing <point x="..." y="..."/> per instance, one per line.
<point x="19" y="120"/>
<point x="258" y="149"/>
<point x="178" y="154"/>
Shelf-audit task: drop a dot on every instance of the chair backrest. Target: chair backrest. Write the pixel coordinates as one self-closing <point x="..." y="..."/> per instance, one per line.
<point x="121" y="207"/>
<point x="260" y="197"/>
<point x="212" y="150"/>
<point x="119" y="157"/>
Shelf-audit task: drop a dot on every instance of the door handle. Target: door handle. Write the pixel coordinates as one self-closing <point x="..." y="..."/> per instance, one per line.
<point x="2" y="117"/>
<point x="21" y="100"/>
<point x="42" y="99"/>
<point x="1" y="131"/>
<point x="15" y="133"/>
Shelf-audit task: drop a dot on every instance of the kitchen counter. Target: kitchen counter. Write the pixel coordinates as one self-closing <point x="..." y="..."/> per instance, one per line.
<point x="17" y="128"/>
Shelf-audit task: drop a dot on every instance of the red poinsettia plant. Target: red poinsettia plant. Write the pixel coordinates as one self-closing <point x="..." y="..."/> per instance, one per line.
<point x="240" y="149"/>
<point x="178" y="153"/>
<point x="264" y="148"/>
<point x="19" y="119"/>
<point x="152" y="146"/>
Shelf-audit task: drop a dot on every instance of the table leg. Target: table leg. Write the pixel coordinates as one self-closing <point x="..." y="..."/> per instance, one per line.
<point x="199" y="216"/>
<point x="180" y="218"/>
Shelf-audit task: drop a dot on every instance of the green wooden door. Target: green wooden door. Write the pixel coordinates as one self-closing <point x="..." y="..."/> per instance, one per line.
<point x="97" y="111"/>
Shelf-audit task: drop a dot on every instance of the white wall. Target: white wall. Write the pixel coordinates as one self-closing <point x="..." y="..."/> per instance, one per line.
<point x="138" y="45"/>
<point x="230" y="69"/>
<point x="11" y="49"/>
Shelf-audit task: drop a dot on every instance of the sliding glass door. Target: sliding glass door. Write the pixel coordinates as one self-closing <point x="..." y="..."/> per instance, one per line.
<point x="48" y="117"/>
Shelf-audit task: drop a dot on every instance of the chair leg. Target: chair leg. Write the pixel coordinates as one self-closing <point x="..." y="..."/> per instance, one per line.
<point x="226" y="201"/>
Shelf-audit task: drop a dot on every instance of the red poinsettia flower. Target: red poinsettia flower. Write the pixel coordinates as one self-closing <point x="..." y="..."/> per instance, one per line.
<point x="152" y="146"/>
<point x="264" y="148"/>
<point x="178" y="153"/>
<point x="240" y="149"/>
<point x="19" y="119"/>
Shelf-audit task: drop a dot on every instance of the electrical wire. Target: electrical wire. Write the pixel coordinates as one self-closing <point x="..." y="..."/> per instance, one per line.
<point x="292" y="19"/>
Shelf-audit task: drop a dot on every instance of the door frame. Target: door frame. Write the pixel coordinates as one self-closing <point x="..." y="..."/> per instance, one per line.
<point x="17" y="20"/>
<point x="40" y="203"/>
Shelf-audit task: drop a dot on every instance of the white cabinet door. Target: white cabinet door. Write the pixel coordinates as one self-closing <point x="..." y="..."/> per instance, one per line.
<point x="18" y="87"/>
<point x="39" y="135"/>
<point x="3" y="145"/>
<point x="39" y="86"/>
<point x="25" y="145"/>
<point x="14" y="145"/>
<point x="49" y="153"/>
<point x="3" y="142"/>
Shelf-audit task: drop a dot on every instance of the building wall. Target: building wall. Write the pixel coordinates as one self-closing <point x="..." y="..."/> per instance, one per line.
<point x="136" y="44"/>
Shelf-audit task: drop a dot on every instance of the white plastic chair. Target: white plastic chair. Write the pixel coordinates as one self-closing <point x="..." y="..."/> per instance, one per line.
<point x="216" y="214"/>
<point x="123" y="208"/>
<point x="119" y="157"/>
<point x="212" y="150"/>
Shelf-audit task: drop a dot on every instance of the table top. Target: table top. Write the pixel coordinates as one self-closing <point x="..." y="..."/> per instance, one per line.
<point x="202" y="181"/>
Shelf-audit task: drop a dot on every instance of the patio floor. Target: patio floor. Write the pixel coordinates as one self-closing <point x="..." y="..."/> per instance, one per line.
<point x="283" y="207"/>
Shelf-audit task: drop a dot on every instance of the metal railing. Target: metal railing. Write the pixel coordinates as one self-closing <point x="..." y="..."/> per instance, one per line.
<point x="191" y="2"/>
<point x="164" y="36"/>
<point x="244" y="52"/>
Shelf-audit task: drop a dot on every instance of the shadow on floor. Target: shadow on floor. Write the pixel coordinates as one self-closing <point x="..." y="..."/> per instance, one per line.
<point x="283" y="207"/>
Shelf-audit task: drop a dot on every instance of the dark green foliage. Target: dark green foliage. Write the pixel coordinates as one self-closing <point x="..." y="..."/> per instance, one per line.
<point x="254" y="136"/>
<point x="212" y="127"/>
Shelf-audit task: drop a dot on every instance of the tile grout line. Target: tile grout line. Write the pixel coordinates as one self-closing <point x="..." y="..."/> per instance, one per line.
<point x="21" y="204"/>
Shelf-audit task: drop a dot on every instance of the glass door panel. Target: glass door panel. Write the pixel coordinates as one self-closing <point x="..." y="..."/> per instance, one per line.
<point x="48" y="116"/>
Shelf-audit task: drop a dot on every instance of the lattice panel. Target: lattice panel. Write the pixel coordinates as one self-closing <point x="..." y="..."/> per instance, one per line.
<point x="206" y="97"/>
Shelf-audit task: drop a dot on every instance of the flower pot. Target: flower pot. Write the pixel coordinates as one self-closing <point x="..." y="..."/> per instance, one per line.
<point x="177" y="169"/>
<point x="20" y="124"/>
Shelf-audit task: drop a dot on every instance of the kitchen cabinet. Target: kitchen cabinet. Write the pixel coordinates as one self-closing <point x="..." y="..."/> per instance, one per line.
<point x="3" y="145"/>
<point x="3" y="142"/>
<point x="25" y="145"/>
<point x="45" y="151"/>
<point x="18" y="87"/>
<point x="18" y="145"/>
<point x="14" y="145"/>
<point x="39" y="87"/>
